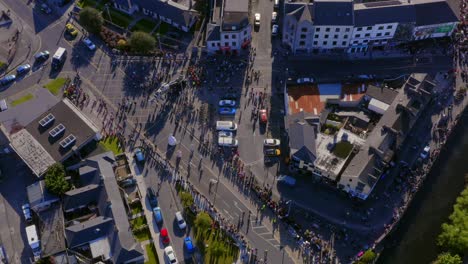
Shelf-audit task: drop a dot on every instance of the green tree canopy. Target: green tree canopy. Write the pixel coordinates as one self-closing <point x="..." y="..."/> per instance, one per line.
<point x="91" y="19"/>
<point x="368" y="257"/>
<point x="447" y="258"/>
<point x="55" y="179"/>
<point x="203" y="221"/>
<point x="142" y="42"/>
<point x="187" y="199"/>
<point x="454" y="236"/>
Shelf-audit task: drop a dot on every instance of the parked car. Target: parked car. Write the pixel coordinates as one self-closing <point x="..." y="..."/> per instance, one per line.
<point x="272" y="152"/>
<point x="180" y="220"/>
<point x="157" y="215"/>
<point x="305" y="80"/>
<point x="274" y="30"/>
<point x="7" y="79"/>
<point x="26" y="212"/>
<point x="170" y="254"/>
<point x="139" y="154"/>
<point x="189" y="245"/>
<point x="89" y="44"/>
<point x="274" y="17"/>
<point x="128" y="182"/>
<point x="425" y="153"/>
<point x="165" y="236"/>
<point x="227" y="111"/>
<point x="230" y="103"/>
<point x="288" y="180"/>
<point x="271" y="142"/>
<point x="257" y="19"/>
<point x="228" y="134"/>
<point x="263" y="115"/>
<point x="23" y="69"/>
<point x="42" y="56"/>
<point x="71" y="30"/>
<point x="45" y="8"/>
<point x="153" y="200"/>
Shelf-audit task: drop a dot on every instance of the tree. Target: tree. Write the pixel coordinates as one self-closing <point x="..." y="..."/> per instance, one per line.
<point x="142" y="42"/>
<point x="203" y="222"/>
<point x="454" y="236"/>
<point x="55" y="179"/>
<point x="217" y="250"/>
<point x="368" y="257"/>
<point x="187" y="199"/>
<point x="91" y="19"/>
<point x="447" y="258"/>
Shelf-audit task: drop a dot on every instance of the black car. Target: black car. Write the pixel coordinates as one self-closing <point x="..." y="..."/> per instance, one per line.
<point x="153" y="200"/>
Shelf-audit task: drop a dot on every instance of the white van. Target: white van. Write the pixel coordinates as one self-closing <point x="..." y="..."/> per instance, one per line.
<point x="227" y="142"/>
<point x="226" y="126"/>
<point x="276" y="3"/>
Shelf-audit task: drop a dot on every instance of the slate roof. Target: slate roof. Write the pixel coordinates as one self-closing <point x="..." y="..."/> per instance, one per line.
<point x="300" y="11"/>
<point x="333" y="13"/>
<point x="382" y="94"/>
<point x="81" y="196"/>
<point x="179" y="14"/>
<point x="302" y="141"/>
<point x="37" y="194"/>
<point x="214" y="33"/>
<point x="87" y="231"/>
<point x="388" y="14"/>
<point x="434" y="13"/>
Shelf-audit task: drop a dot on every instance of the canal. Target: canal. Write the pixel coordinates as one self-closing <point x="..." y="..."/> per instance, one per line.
<point x="414" y="241"/>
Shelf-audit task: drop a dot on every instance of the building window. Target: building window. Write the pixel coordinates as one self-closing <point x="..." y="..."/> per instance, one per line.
<point x="387" y="33"/>
<point x="357" y="36"/>
<point x="226" y="44"/>
<point x="327" y="29"/>
<point x="343" y="43"/>
<point x="213" y="45"/>
<point x="367" y="35"/>
<point x="226" y="36"/>
<point x="303" y="36"/>
<point x="301" y="43"/>
<point x="317" y="29"/>
<point x="379" y="34"/>
<point x="348" y="29"/>
<point x="335" y="37"/>
<point x="359" y="29"/>
<point x="245" y="32"/>
<point x="389" y="27"/>
<point x="315" y="42"/>
<point x="316" y="36"/>
<point x="234" y="36"/>
<point x="380" y="28"/>
<point x="366" y="40"/>
<point x="304" y="29"/>
<point x="219" y="44"/>
<point x="326" y="36"/>
<point x="337" y="30"/>
<point x="369" y="28"/>
<point x="334" y="43"/>
<point x="350" y="180"/>
<point x="325" y="43"/>
<point x="355" y="42"/>
<point x="345" y="36"/>
<point x="233" y="43"/>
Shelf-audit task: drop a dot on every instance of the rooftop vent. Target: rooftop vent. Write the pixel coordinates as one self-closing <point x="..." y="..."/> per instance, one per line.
<point x="46" y="120"/>
<point x="57" y="130"/>
<point x="68" y="141"/>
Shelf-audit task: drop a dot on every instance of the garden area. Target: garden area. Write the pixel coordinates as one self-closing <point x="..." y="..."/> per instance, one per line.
<point x="56" y="85"/>
<point x="140" y="229"/>
<point x="152" y="255"/>
<point x="145" y="25"/>
<point x="111" y="144"/>
<point x="342" y="149"/>
<point x="22" y="99"/>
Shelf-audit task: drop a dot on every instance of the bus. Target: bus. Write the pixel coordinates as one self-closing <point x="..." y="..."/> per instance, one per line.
<point x="59" y="58"/>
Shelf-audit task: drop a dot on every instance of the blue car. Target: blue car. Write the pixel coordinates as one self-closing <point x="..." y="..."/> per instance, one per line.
<point x="8" y="79"/>
<point x="189" y="245"/>
<point x="158" y="215"/>
<point x="23" y="69"/>
<point x="227" y="111"/>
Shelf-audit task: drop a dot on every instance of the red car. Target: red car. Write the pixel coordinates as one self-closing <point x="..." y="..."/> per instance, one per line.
<point x="165" y="236"/>
<point x="263" y="115"/>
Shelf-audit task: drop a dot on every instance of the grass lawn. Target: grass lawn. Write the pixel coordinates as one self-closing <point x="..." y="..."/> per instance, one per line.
<point x="152" y="255"/>
<point x="342" y="149"/>
<point x="2" y="64"/>
<point x="119" y="18"/>
<point x="22" y="99"/>
<point x="137" y="222"/>
<point x="142" y="235"/>
<point x="145" y="25"/>
<point x="56" y="85"/>
<point x="111" y="144"/>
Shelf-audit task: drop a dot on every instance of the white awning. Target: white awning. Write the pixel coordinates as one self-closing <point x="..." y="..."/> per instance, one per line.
<point x="377" y="106"/>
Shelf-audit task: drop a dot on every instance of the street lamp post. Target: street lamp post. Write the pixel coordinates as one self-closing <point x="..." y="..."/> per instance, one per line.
<point x="289" y="203"/>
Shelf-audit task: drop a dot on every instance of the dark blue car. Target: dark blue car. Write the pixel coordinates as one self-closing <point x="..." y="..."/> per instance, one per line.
<point x="227" y="111"/>
<point x="7" y="79"/>
<point x="23" y="69"/>
<point x="189" y="245"/>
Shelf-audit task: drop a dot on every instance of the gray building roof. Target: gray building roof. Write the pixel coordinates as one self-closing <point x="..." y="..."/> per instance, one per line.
<point x="179" y="14"/>
<point x="38" y="194"/>
<point x="302" y="141"/>
<point x="382" y="94"/>
<point x="214" y="33"/>
<point x="383" y="14"/>
<point x="300" y="11"/>
<point x="434" y="13"/>
<point x="236" y="6"/>
<point x="87" y="231"/>
<point x="80" y="197"/>
<point x="333" y="13"/>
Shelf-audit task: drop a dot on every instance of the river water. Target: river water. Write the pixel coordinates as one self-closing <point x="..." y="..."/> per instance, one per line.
<point x="414" y="241"/>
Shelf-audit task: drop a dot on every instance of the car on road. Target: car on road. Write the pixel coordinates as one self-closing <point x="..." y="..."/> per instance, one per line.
<point x="180" y="220"/>
<point x="263" y="115"/>
<point x="128" y="182"/>
<point x="274" y="17"/>
<point x="45" y="8"/>
<point x="274" y="30"/>
<point x="23" y="69"/>
<point x="89" y="44"/>
<point x="42" y="56"/>
<point x="170" y="254"/>
<point x="288" y="180"/>
<point x="257" y="19"/>
<point x="189" y="245"/>
<point x="425" y="152"/>
<point x="272" y="152"/>
<point x="139" y="154"/>
<point x="71" y="30"/>
<point x="153" y="200"/>
<point x="271" y="142"/>
<point x="305" y="80"/>
<point x="7" y="79"/>
<point x="225" y="134"/>
<point x="227" y="142"/>
<point x="165" y="236"/>
<point x="158" y="215"/>
<point x="26" y="212"/>
<point x="227" y="111"/>
<point x="230" y="103"/>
